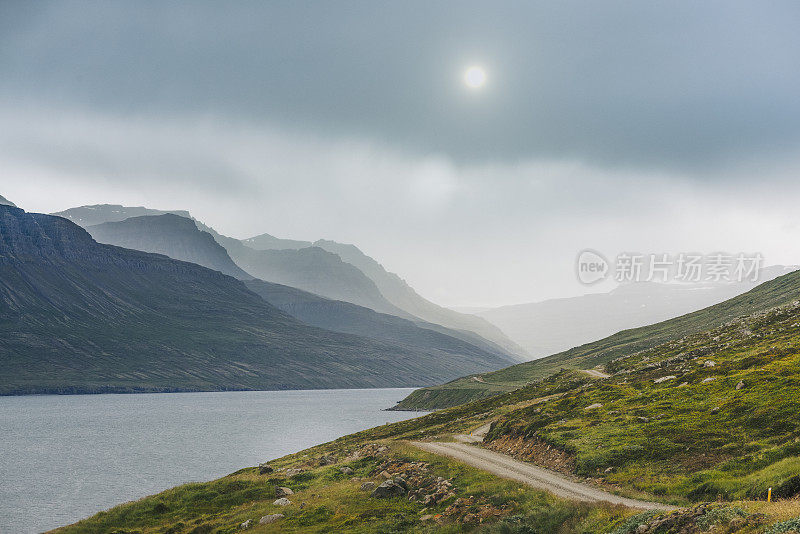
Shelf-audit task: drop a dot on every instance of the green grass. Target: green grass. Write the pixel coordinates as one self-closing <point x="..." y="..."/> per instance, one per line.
<point x="334" y="503"/>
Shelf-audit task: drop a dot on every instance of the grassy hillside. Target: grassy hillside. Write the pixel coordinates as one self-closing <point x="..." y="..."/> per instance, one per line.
<point x="776" y="292"/>
<point x="707" y="417"/>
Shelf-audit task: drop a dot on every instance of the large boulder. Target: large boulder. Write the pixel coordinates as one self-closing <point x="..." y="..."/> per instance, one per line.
<point x="267" y="519"/>
<point x="264" y="469"/>
<point x="283" y="501"/>
<point x="283" y="492"/>
<point x="388" y="489"/>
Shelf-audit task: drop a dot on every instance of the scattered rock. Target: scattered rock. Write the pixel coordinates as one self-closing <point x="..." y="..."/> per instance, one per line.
<point x="426" y="517"/>
<point x="709" y="379"/>
<point x="267" y="519"/>
<point x="740" y="385"/>
<point x="608" y="469"/>
<point x="246" y="524"/>
<point x="388" y="489"/>
<point x="283" y="492"/>
<point x="643" y="419"/>
<point x="709" y="363"/>
<point x="385" y="474"/>
<point x="283" y="501"/>
<point x="715" y="409"/>
<point x="346" y="470"/>
<point x="593" y="406"/>
<point x="327" y="460"/>
<point x="292" y="472"/>
<point x="664" y="379"/>
<point x="263" y="469"/>
<point x="367" y="486"/>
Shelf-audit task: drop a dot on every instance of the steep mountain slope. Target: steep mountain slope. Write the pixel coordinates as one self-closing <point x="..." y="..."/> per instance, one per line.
<point x="314" y="270"/>
<point x="353" y="319"/>
<point x="400" y="294"/>
<point x="101" y="213"/>
<point x="5" y="202"/>
<point x="79" y="316"/>
<point x="544" y="328"/>
<point x="780" y="291"/>
<point x="172" y="235"/>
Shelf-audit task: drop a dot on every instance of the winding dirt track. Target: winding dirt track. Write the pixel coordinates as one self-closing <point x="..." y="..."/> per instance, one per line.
<point x="537" y="477"/>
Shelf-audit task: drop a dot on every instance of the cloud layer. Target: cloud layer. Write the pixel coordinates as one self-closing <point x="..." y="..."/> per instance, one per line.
<point x="657" y="127"/>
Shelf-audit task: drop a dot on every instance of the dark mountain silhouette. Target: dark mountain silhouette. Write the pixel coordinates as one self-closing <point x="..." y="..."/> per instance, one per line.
<point x="80" y="316"/>
<point x="172" y="235"/>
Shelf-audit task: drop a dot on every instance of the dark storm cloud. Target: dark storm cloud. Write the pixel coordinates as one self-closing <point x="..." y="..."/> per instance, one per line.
<point x="657" y="84"/>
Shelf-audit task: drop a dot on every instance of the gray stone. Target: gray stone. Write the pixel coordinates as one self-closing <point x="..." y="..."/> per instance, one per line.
<point x="267" y="519"/>
<point x="283" y="501"/>
<point x="246" y="524"/>
<point x="388" y="489"/>
<point x="740" y="385"/>
<point x="263" y="469"/>
<point x="367" y="486"/>
<point x="283" y="492"/>
<point x="346" y="470"/>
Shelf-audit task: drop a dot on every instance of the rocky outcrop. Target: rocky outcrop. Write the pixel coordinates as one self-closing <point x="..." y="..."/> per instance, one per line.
<point x="390" y="488"/>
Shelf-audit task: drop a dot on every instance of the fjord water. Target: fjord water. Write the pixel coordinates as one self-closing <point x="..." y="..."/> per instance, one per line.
<point x="63" y="458"/>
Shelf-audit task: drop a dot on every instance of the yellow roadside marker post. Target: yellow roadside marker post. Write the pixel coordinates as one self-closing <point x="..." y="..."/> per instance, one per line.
<point x="769" y="495"/>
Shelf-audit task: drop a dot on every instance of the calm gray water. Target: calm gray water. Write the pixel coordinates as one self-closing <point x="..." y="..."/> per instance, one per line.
<point x="63" y="458"/>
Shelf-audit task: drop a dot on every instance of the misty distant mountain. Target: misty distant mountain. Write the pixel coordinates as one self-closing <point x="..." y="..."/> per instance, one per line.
<point x="321" y="270"/>
<point x="77" y="316"/>
<point x="172" y="235"/>
<point x="180" y="238"/>
<point x="101" y="213"/>
<point x="314" y="270"/>
<point x="353" y="319"/>
<point x="552" y="326"/>
<point x="5" y="202"/>
<point x="268" y="242"/>
<point x="403" y="296"/>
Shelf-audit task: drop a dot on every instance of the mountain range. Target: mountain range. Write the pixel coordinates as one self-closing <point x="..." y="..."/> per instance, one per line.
<point x="78" y="316"/>
<point x="181" y="239"/>
<point x="329" y="269"/>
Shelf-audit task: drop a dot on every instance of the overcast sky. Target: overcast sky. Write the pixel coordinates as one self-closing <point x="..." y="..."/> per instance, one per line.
<point x="618" y="126"/>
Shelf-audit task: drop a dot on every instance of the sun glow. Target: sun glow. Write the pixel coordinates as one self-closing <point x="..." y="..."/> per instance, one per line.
<point x="475" y="77"/>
